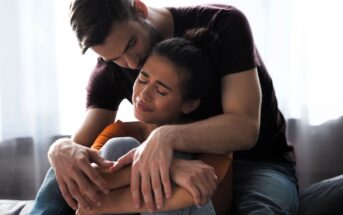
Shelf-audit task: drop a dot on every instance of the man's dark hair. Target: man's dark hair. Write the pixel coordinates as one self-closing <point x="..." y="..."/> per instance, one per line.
<point x="93" y="20"/>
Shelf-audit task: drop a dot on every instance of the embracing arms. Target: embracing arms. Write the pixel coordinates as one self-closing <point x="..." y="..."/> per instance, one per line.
<point x="236" y="129"/>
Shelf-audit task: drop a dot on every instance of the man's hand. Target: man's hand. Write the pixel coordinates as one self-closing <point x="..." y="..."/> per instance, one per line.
<point x="150" y="170"/>
<point x="77" y="179"/>
<point x="196" y="177"/>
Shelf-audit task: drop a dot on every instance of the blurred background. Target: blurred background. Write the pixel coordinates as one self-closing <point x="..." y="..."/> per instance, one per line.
<point x="43" y="78"/>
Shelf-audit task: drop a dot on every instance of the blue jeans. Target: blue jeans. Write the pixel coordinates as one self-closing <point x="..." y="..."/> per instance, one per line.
<point x="49" y="200"/>
<point x="264" y="188"/>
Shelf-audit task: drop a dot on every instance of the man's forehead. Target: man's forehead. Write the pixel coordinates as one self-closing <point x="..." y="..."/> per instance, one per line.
<point x="117" y="40"/>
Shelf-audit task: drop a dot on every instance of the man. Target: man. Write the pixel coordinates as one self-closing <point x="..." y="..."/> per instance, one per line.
<point x="241" y="113"/>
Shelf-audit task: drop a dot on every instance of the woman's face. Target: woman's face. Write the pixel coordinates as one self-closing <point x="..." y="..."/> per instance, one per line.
<point x="157" y="95"/>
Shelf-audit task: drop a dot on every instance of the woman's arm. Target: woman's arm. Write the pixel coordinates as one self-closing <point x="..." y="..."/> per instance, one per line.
<point x="119" y="199"/>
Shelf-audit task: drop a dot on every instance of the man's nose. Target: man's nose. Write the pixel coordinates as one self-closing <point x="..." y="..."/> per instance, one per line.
<point x="132" y="61"/>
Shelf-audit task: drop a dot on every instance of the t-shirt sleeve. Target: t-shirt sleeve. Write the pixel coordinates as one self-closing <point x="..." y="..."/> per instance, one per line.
<point x="103" y="88"/>
<point x="237" y="51"/>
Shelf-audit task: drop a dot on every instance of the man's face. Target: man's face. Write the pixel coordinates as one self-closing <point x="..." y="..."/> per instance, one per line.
<point x="129" y="44"/>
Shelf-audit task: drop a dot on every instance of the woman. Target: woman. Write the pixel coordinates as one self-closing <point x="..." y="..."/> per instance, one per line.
<point x="174" y="79"/>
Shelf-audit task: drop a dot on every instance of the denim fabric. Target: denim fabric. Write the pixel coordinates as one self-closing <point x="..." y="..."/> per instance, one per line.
<point x="49" y="199"/>
<point x="264" y="188"/>
<point x="323" y="198"/>
<point x="117" y="147"/>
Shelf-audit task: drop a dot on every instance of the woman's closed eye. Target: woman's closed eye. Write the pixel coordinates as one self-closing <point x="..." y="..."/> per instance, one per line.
<point x="142" y="81"/>
<point x="162" y="93"/>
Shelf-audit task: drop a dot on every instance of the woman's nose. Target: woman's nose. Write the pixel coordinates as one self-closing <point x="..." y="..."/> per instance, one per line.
<point x="146" y="94"/>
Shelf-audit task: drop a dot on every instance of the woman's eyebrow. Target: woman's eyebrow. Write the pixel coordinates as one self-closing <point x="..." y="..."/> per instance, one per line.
<point x="144" y="74"/>
<point x="164" y="85"/>
<point x="158" y="82"/>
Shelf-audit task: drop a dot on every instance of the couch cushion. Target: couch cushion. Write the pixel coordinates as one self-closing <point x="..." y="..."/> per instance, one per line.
<point x="15" y="207"/>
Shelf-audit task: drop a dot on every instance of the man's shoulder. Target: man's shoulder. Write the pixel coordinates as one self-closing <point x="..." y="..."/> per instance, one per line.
<point x="212" y="16"/>
<point x="203" y="9"/>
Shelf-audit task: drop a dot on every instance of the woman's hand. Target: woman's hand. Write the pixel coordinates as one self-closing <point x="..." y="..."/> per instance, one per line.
<point x="77" y="179"/>
<point x="196" y="177"/>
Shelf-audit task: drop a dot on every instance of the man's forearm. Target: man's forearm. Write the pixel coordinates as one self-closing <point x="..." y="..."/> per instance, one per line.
<point x="220" y="134"/>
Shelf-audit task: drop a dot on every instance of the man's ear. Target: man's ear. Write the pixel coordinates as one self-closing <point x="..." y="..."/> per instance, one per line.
<point x="190" y="106"/>
<point x="141" y="9"/>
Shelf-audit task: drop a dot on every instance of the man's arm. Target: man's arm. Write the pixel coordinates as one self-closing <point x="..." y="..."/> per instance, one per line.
<point x="236" y="129"/>
<point x="95" y="121"/>
<point x="71" y="159"/>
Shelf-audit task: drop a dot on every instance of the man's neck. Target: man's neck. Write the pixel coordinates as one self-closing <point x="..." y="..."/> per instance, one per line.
<point x="162" y="20"/>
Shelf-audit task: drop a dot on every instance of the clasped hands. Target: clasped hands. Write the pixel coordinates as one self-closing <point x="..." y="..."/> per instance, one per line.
<point x="153" y="169"/>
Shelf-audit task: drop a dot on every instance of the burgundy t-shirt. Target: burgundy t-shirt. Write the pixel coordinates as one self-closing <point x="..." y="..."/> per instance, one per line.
<point x="110" y="84"/>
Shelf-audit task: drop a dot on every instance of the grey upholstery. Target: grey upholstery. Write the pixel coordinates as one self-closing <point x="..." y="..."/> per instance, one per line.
<point x="14" y="207"/>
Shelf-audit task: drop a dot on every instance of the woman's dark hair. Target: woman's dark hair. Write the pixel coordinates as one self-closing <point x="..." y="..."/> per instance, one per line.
<point x="195" y="55"/>
<point x="92" y="20"/>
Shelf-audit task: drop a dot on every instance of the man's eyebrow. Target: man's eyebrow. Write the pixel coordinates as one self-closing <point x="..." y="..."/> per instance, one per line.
<point x="125" y="49"/>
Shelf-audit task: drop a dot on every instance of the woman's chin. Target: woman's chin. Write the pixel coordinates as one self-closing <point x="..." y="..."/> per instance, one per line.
<point x="141" y="117"/>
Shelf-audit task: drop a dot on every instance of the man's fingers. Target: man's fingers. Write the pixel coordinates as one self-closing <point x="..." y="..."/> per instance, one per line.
<point x="165" y="177"/>
<point x="212" y="181"/>
<point x="75" y="192"/>
<point x="195" y="194"/>
<point x="135" y="189"/>
<point x="146" y="192"/>
<point x="123" y="160"/>
<point x="204" y="188"/>
<point x="100" y="161"/>
<point x="66" y="194"/>
<point x="94" y="177"/>
<point x="157" y="188"/>
<point x="86" y="188"/>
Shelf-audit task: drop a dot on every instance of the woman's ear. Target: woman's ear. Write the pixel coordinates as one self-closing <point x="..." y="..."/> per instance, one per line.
<point x="190" y="106"/>
<point x="141" y="9"/>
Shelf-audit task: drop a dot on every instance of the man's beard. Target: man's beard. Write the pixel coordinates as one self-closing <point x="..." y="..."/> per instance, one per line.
<point x="154" y="38"/>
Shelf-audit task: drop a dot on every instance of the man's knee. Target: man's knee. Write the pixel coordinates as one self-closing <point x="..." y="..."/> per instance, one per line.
<point x="116" y="147"/>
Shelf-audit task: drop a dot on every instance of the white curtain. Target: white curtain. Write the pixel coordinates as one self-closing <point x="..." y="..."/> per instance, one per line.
<point x="43" y="75"/>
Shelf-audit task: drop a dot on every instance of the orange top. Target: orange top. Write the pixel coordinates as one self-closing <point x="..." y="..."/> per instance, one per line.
<point x="119" y="129"/>
<point x="221" y="163"/>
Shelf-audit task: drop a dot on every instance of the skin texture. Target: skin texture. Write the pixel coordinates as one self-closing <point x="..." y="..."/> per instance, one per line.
<point x="241" y="103"/>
